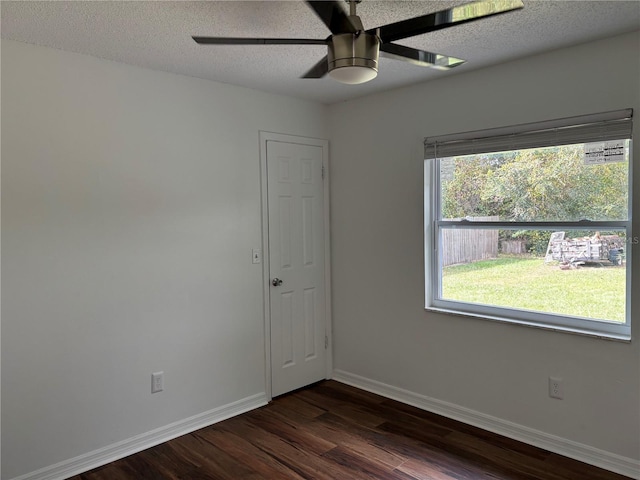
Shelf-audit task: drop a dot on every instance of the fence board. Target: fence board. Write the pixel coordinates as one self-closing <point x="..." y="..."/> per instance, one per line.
<point x="465" y="245"/>
<point x="515" y="247"/>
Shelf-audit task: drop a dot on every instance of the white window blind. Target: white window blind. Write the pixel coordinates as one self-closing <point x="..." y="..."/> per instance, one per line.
<point x="602" y="127"/>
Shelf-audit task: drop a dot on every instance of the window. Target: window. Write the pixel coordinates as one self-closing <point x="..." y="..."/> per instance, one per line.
<point x="532" y="224"/>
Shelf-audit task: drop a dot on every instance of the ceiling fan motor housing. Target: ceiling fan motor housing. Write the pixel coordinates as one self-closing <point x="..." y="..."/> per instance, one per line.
<point x="353" y="50"/>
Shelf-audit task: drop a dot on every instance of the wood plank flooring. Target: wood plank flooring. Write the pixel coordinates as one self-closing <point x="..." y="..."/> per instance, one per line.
<point x="333" y="431"/>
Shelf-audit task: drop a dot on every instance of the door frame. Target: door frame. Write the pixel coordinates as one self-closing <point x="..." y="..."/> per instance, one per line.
<point x="266" y="279"/>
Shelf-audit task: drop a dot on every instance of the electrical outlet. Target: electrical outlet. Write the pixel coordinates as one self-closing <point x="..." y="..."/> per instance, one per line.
<point x="157" y="382"/>
<point x="555" y="388"/>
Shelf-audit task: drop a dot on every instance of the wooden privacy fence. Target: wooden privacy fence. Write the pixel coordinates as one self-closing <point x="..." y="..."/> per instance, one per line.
<point x="514" y="247"/>
<point x="465" y="245"/>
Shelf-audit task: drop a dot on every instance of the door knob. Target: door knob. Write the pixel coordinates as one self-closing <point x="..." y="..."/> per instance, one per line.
<point x="276" y="282"/>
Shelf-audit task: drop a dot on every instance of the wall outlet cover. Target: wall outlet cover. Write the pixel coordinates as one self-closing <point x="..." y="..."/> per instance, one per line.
<point x="555" y="388"/>
<point x="157" y="382"/>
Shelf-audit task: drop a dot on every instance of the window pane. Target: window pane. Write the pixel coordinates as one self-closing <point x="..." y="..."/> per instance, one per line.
<point x="574" y="273"/>
<point x="564" y="183"/>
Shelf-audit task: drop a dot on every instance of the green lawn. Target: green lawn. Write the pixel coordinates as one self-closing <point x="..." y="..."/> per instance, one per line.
<point x="527" y="283"/>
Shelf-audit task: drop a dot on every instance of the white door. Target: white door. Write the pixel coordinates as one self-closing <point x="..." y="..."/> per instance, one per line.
<point x="297" y="295"/>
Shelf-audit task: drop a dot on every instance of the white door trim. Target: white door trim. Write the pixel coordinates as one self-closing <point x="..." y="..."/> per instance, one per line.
<point x="324" y="144"/>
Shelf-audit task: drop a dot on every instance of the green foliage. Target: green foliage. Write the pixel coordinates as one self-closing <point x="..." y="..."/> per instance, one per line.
<point x="464" y="194"/>
<point x="537" y="240"/>
<point x="538" y="184"/>
<point x="548" y="184"/>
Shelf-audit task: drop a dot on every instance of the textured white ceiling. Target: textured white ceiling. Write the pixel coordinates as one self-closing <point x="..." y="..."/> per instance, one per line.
<point x="157" y="35"/>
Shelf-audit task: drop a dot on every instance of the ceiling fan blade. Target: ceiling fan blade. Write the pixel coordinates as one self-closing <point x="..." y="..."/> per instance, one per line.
<point x="419" y="57"/>
<point x="444" y="18"/>
<point x="319" y="70"/>
<point x="333" y="16"/>
<point x="257" y="41"/>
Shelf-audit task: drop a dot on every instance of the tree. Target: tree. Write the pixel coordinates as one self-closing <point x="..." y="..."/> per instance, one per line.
<point x="547" y="184"/>
<point x="555" y="184"/>
<point x="467" y="179"/>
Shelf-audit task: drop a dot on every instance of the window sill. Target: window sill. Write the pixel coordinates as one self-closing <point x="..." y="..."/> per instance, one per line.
<point x="554" y="328"/>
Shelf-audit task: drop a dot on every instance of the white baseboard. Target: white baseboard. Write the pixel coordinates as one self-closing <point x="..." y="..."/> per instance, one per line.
<point x="116" y="451"/>
<point x="584" y="453"/>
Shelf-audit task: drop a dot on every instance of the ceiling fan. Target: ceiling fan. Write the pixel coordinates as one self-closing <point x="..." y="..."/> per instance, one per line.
<point x="352" y="55"/>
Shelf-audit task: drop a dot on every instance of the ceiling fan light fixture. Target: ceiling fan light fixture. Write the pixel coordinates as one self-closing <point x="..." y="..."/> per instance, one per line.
<point x="353" y="58"/>
<point x="353" y="74"/>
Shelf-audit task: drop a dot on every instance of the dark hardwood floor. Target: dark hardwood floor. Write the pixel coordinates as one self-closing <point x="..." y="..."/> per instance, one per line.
<point x="333" y="431"/>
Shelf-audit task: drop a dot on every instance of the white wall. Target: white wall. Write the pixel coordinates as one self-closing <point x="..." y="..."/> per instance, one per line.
<point x="130" y="205"/>
<point x="382" y="332"/>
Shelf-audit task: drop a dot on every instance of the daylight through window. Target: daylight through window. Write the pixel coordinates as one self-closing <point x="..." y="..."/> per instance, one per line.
<point x="532" y="224"/>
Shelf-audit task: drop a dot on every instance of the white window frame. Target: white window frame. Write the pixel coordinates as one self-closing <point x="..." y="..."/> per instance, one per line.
<point x="517" y="138"/>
